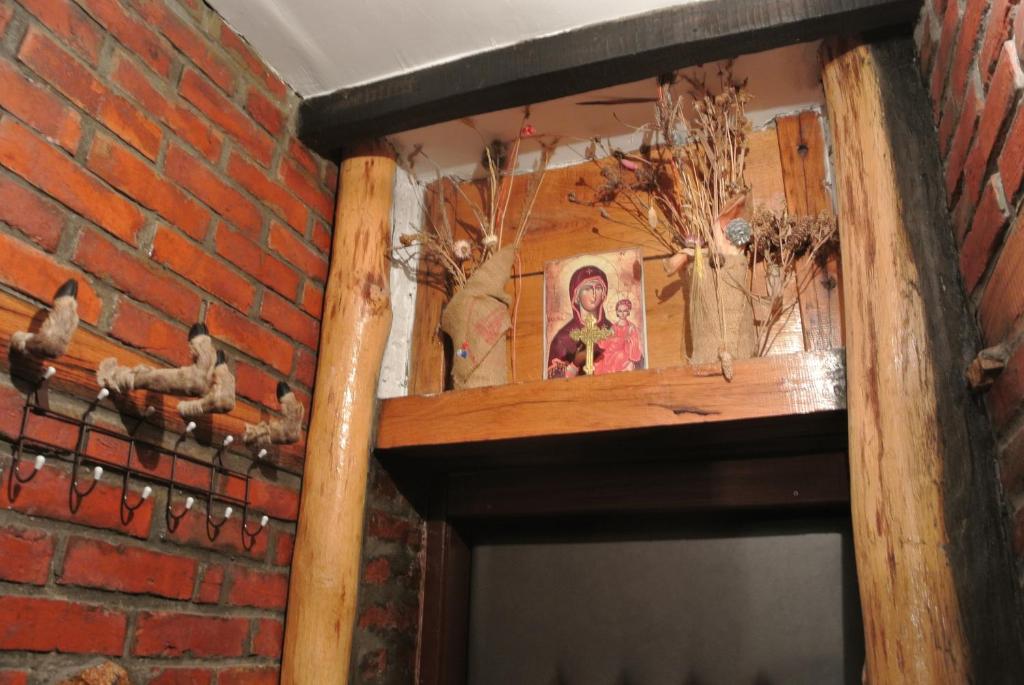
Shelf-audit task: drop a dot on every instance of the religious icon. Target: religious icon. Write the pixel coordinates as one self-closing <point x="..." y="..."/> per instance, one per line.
<point x="580" y="338"/>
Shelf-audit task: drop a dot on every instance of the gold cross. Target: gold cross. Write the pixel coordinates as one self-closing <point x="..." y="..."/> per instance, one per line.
<point x="590" y="335"/>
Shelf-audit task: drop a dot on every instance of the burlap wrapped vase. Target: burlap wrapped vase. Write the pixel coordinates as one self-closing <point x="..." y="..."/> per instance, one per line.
<point x="477" y="320"/>
<point x="721" y="315"/>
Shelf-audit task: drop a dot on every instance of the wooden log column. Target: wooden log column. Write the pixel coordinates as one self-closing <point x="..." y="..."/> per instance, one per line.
<point x="933" y="561"/>
<point x="354" y="331"/>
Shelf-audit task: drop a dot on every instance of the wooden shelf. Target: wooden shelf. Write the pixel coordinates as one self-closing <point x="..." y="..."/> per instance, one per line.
<point x="786" y="385"/>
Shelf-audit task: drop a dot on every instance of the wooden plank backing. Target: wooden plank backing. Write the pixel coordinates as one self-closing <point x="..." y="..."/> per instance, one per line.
<point x="560" y="228"/>
<point x="803" y="154"/>
<point x="790" y="384"/>
<point x="76" y="375"/>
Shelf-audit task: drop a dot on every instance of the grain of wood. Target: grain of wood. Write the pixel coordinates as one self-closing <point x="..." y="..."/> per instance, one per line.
<point x="912" y="620"/>
<point x="766" y="386"/>
<point x="357" y="319"/>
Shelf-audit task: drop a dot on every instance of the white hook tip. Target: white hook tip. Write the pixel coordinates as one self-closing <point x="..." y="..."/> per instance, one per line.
<point x="264" y="521"/>
<point x="228" y="440"/>
<point x="189" y="501"/>
<point x="146" y="492"/>
<point x="228" y="511"/>
<point x="149" y="411"/>
<point x="190" y="426"/>
<point x="49" y="373"/>
<point x="97" y="473"/>
<point x="262" y="453"/>
<point x="102" y="394"/>
<point x="40" y="461"/>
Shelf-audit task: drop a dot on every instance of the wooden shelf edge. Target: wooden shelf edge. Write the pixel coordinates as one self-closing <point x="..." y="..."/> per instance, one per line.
<point x="764" y="387"/>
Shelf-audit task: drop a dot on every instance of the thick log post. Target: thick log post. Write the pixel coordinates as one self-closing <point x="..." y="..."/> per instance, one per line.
<point x="354" y="331"/>
<point x="933" y="561"/>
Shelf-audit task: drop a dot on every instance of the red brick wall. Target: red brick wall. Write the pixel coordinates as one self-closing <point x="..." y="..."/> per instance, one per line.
<point x="148" y="152"/>
<point x="970" y="58"/>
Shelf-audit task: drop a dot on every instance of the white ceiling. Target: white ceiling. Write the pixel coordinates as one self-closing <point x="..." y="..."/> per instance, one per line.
<point x="319" y="46"/>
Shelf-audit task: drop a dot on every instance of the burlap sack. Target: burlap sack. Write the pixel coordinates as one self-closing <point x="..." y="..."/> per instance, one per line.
<point x="477" y="320"/>
<point x="714" y="308"/>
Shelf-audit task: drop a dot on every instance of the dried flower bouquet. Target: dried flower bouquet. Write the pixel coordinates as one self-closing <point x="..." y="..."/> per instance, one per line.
<point x="476" y="260"/>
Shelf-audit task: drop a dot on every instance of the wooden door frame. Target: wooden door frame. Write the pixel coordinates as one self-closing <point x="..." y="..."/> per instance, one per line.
<point x="461" y="501"/>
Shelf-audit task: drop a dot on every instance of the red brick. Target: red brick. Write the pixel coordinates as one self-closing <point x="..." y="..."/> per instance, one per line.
<point x="284" y="548"/>
<point x="990" y="220"/>
<point x="1018" y="29"/>
<point x="331" y="176"/>
<point x="68" y="21"/>
<point x="53" y="63"/>
<point x="313" y="300"/>
<point x="311" y="193"/>
<point x="950" y="23"/>
<point x="144" y="331"/>
<point x="961" y="216"/>
<point x="191" y="532"/>
<point x="1006" y="84"/>
<point x="303" y="158"/>
<point x="1007" y="394"/>
<point x="939" y="5"/>
<point x="62" y="178"/>
<point x="253" y="179"/>
<point x="209" y="587"/>
<point x="963" y="56"/>
<point x="189" y="41"/>
<point x="264" y="112"/>
<point x="132" y="33"/>
<point x="377" y="571"/>
<point x="173" y="635"/>
<point x="232" y="42"/>
<point x="277" y="500"/>
<point x="25" y="555"/>
<point x="39" y="108"/>
<point x="255" y="384"/>
<point x="947" y="125"/>
<point x="295" y="251"/>
<point x="1011" y="159"/>
<point x="387" y="618"/>
<point x="37" y="274"/>
<point x="268" y="639"/>
<point x="288" y="319"/>
<point x="384" y="526"/>
<point x="183" y="168"/>
<point x="136" y="277"/>
<point x="12" y="677"/>
<point x="997" y="31"/>
<point x="167" y="108"/>
<point x="180" y="676"/>
<point x="322" y="237"/>
<point x="34" y="624"/>
<point x="6" y="12"/>
<point x="25" y="210"/>
<point x="47" y="496"/>
<point x="256" y="261"/>
<point x="255" y="340"/>
<point x="227" y="115"/>
<point x="132" y="570"/>
<point x="1003" y="301"/>
<point x="115" y="164"/>
<point x="248" y="676"/>
<point x="305" y="367"/>
<point x="259" y="589"/>
<point x="961" y="142"/>
<point x="12" y="402"/>
<point x="193" y="263"/>
<point x="1011" y="470"/>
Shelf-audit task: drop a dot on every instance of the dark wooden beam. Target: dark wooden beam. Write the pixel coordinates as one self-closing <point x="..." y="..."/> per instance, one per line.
<point x="584" y="59"/>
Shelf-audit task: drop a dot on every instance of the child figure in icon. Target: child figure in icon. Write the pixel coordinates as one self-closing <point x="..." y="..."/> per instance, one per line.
<point x="581" y="338"/>
<point x="623" y="350"/>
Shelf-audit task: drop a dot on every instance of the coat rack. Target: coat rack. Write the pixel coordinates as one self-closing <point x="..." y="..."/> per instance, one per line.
<point x="84" y="483"/>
